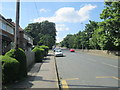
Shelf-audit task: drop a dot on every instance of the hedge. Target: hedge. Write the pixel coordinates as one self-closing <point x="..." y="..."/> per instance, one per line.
<point x="46" y="48"/>
<point x="10" y="69"/>
<point x="20" y="56"/>
<point x="39" y="54"/>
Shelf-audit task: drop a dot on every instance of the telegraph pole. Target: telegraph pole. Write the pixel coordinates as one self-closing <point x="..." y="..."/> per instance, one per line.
<point x="17" y="24"/>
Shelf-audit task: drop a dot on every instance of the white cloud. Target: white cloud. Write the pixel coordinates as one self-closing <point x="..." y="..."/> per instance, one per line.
<point x="69" y="14"/>
<point x="59" y="39"/>
<point x="43" y="10"/>
<point x="84" y="11"/>
<point x="61" y="27"/>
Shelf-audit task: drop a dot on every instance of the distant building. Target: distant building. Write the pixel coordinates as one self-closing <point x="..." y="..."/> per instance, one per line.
<point x="7" y="31"/>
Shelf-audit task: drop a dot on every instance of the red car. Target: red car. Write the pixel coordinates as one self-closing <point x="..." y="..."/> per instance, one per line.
<point x="72" y="50"/>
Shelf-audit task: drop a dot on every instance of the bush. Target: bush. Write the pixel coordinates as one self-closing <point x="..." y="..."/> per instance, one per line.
<point x="10" y="69"/>
<point x="20" y="56"/>
<point x="46" y="48"/>
<point x="39" y="54"/>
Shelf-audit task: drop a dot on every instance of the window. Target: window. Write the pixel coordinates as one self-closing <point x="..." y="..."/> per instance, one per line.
<point x="25" y="36"/>
<point x="0" y="24"/>
<point x="29" y="38"/>
<point x="10" y="30"/>
<point x="4" y="26"/>
<point x="0" y="32"/>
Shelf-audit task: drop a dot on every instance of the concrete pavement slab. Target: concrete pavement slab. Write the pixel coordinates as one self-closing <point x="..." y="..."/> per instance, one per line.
<point x="47" y="77"/>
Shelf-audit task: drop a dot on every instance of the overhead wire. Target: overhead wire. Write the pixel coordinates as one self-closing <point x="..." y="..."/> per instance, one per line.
<point x="36" y="8"/>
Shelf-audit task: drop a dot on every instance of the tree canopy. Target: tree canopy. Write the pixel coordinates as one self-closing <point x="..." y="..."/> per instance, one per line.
<point x="43" y="33"/>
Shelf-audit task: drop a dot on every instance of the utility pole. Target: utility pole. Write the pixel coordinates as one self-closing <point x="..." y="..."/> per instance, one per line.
<point x="17" y="24"/>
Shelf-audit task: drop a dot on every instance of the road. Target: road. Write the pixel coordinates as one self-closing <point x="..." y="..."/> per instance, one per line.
<point x="81" y="70"/>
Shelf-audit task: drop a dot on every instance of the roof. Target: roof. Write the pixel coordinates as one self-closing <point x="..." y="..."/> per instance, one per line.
<point x="10" y="22"/>
<point x="6" y="20"/>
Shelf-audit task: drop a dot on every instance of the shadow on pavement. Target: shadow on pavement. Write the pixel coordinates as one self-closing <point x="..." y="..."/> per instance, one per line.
<point x="46" y="61"/>
<point x="27" y="83"/>
<point x="46" y="58"/>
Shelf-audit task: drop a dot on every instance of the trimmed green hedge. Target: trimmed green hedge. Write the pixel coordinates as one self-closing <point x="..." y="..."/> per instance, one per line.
<point x="39" y="54"/>
<point x="10" y="69"/>
<point x="46" y="48"/>
<point x="20" y="56"/>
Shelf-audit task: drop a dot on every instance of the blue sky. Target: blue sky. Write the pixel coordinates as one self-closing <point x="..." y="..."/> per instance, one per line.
<point x="69" y="17"/>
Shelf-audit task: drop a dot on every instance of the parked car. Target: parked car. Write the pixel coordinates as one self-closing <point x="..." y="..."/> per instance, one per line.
<point x="72" y="50"/>
<point x="58" y="53"/>
<point x="55" y="49"/>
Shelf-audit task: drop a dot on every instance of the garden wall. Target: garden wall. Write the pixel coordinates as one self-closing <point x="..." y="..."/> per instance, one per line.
<point x="102" y="52"/>
<point x="30" y="58"/>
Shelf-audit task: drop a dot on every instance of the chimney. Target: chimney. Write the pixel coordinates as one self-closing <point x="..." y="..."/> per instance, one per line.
<point x="9" y="20"/>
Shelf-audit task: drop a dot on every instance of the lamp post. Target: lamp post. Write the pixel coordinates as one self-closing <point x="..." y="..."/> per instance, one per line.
<point x="82" y="36"/>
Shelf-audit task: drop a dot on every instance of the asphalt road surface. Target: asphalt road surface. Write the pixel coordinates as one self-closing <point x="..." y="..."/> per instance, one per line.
<point x="81" y="70"/>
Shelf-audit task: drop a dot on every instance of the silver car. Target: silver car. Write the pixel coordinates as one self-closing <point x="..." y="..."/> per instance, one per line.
<point x="58" y="53"/>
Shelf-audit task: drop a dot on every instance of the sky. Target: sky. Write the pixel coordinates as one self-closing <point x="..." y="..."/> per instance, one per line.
<point x="69" y="17"/>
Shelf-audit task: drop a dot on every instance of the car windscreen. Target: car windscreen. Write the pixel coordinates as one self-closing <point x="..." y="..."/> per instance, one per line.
<point x="58" y="51"/>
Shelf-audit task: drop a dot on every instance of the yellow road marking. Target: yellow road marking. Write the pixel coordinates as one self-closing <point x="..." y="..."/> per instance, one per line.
<point x="72" y="79"/>
<point x="64" y="85"/>
<point x="108" y="77"/>
<point x="104" y="77"/>
<point x="57" y="85"/>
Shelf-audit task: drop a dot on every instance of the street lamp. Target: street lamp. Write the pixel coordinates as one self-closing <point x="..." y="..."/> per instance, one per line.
<point x="82" y="36"/>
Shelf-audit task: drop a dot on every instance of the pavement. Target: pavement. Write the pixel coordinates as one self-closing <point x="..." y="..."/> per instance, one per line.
<point x="41" y="75"/>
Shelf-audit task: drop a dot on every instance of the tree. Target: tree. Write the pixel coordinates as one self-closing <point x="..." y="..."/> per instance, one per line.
<point x="89" y="30"/>
<point x="43" y="32"/>
<point x="68" y="41"/>
<point x="34" y="30"/>
<point x="47" y="40"/>
<point x="110" y="25"/>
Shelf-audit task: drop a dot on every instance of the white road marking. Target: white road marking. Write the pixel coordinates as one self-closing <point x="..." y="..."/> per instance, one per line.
<point x="110" y="65"/>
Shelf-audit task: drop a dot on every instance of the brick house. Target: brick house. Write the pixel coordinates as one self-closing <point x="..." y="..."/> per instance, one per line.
<point x="7" y="30"/>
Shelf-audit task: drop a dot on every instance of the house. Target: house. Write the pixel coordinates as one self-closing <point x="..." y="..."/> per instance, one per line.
<point x="7" y="32"/>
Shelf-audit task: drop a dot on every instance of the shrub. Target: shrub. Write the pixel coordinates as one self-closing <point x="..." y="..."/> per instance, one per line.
<point x="46" y="48"/>
<point x="39" y="54"/>
<point x="10" y="69"/>
<point x="20" y="56"/>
